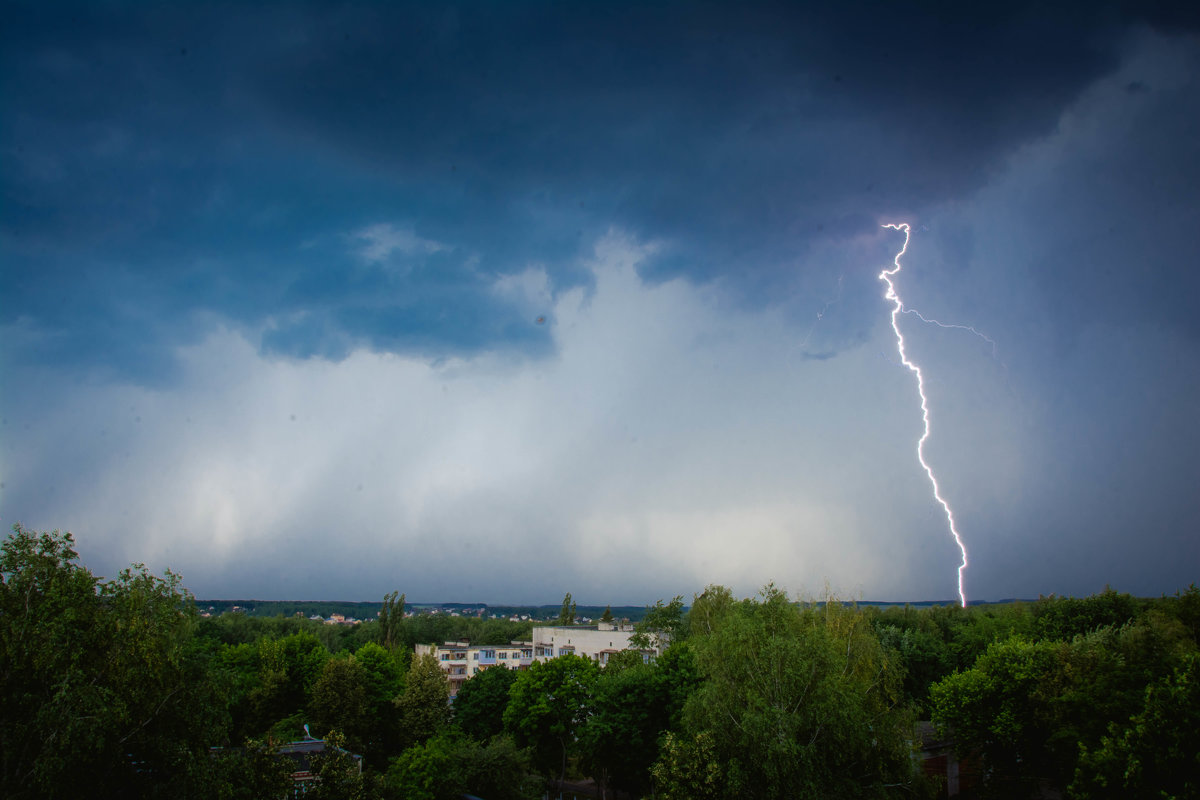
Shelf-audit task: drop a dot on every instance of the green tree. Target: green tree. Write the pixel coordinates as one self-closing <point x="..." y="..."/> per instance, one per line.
<point x="566" y="616"/>
<point x="678" y="676"/>
<point x="424" y="706"/>
<point x="547" y="705"/>
<point x="340" y="702"/>
<point x="624" y="659"/>
<point x="480" y="703"/>
<point x="50" y="634"/>
<point x="435" y="628"/>
<point x="1157" y="753"/>
<point x="338" y="774"/>
<point x="161" y="690"/>
<point x="923" y="655"/>
<point x="391" y="622"/>
<point x="1066" y="617"/>
<point x="384" y="672"/>
<point x="103" y="687"/>
<point x="628" y="712"/>
<point x="709" y="608"/>
<point x="450" y="765"/>
<point x="427" y="771"/>
<point x="1026" y="707"/>
<point x="607" y="615"/>
<point x="237" y="666"/>
<point x="287" y="670"/>
<point x="797" y="702"/>
<point x="252" y="772"/>
<point x="1185" y="607"/>
<point x="660" y="626"/>
<point x="689" y="768"/>
<point x="633" y="706"/>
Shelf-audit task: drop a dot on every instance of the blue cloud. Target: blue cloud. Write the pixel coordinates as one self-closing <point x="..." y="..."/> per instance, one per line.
<point x="166" y="167"/>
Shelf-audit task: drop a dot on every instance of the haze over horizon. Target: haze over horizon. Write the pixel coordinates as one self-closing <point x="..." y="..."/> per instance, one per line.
<point x="502" y="301"/>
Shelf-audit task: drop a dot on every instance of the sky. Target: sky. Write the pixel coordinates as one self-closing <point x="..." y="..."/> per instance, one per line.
<point x="490" y="302"/>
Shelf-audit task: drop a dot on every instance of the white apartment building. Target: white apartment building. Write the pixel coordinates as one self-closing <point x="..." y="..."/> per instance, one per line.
<point x="596" y="642"/>
<point x="462" y="660"/>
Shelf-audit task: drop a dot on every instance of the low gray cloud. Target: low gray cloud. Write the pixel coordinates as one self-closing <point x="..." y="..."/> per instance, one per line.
<point x="671" y="442"/>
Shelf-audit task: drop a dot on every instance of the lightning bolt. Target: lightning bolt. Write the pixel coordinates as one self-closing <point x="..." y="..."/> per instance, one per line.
<point x="886" y="276"/>
<point x="949" y="325"/>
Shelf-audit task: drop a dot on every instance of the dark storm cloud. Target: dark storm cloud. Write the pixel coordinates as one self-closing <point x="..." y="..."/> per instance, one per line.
<point x="318" y="256"/>
<point x="166" y="168"/>
<point x="739" y="138"/>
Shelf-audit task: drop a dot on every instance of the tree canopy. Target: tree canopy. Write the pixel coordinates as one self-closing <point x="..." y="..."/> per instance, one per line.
<point x="117" y="688"/>
<point x="794" y="701"/>
<point x="103" y="684"/>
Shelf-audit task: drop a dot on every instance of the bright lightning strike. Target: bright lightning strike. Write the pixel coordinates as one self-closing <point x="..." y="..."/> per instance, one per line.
<point x="886" y="276"/>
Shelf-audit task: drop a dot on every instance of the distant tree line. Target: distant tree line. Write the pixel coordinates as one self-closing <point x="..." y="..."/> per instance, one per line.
<point x="367" y="611"/>
<point x="119" y="688"/>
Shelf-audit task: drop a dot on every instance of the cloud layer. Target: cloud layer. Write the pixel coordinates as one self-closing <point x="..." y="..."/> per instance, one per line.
<point x="498" y="303"/>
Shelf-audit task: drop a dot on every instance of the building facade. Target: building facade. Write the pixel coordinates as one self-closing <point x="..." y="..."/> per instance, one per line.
<point x="462" y="660"/>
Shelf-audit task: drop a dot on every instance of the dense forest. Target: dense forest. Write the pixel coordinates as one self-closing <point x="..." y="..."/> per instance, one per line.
<point x="119" y="688"/>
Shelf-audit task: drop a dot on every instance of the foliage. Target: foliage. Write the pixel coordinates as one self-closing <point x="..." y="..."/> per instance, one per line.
<point x="624" y="659"/>
<point x="688" y="768"/>
<point x="435" y="628"/>
<point x="1027" y="707"/>
<point x="1064" y="618"/>
<point x="424" y="706"/>
<point x="355" y="694"/>
<point x="628" y="711"/>
<point x="391" y="621"/>
<point x="338" y="774"/>
<point x="287" y="670"/>
<point x="251" y="772"/>
<point x="678" y="676"/>
<point x="480" y="703"/>
<point x="450" y="765"/>
<point x="923" y="655"/>
<point x="384" y="675"/>
<point x="103" y="686"/>
<point x="607" y="616"/>
<point x="795" y="702"/>
<point x="339" y="701"/>
<point x="708" y="609"/>
<point x="1185" y="607"/>
<point x="117" y="688"/>
<point x="660" y="625"/>
<point x="1157" y="753"/>
<point x="547" y="705"/>
<point x="237" y="668"/>
<point x="567" y="615"/>
<point x="239" y="628"/>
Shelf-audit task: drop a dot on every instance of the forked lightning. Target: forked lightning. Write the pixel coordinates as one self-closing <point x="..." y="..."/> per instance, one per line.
<point x="886" y="276"/>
